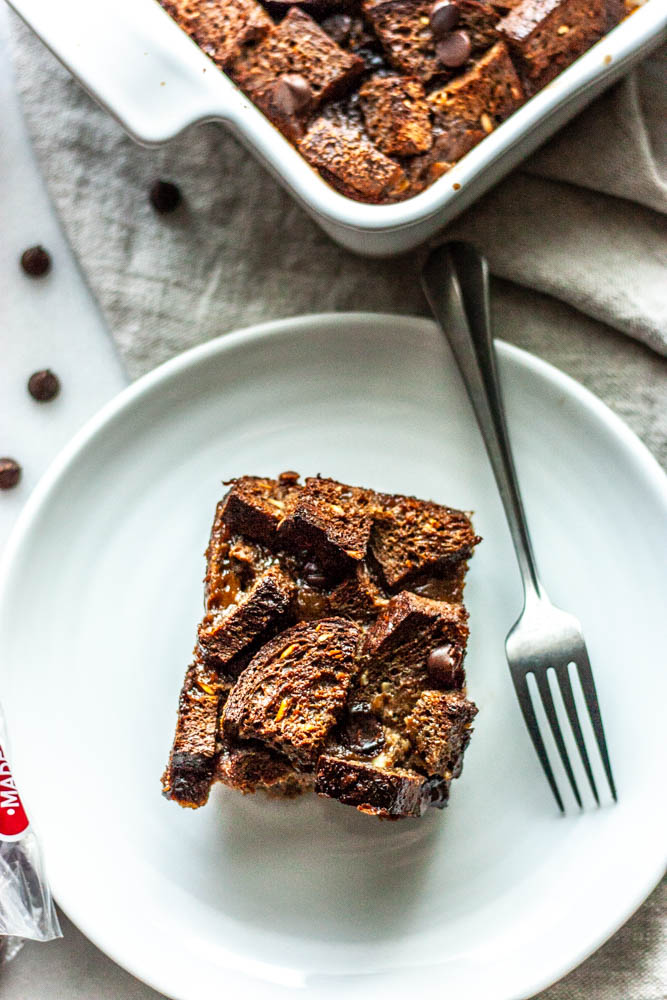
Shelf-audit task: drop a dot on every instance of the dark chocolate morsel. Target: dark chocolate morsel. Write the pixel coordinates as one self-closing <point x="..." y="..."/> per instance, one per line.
<point x="313" y="575"/>
<point x="292" y="94"/>
<point x="10" y="473"/>
<point x="363" y="733"/>
<point x="454" y="50"/>
<point x="444" y="666"/>
<point x="43" y="385"/>
<point x="36" y="261"/>
<point x="443" y="17"/>
<point x="165" y="197"/>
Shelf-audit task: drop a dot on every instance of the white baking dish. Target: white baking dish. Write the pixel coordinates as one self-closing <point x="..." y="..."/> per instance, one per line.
<point x="139" y="65"/>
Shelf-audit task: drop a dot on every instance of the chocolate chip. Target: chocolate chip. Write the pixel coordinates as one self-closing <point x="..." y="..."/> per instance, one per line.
<point x="43" y="386"/>
<point x="292" y="94"/>
<point x="165" y="197"/>
<point x="443" y="16"/>
<point x="363" y="732"/>
<point x="313" y="575"/>
<point x="454" y="50"/>
<point x="36" y="261"/>
<point x="10" y="473"/>
<point x="445" y="666"/>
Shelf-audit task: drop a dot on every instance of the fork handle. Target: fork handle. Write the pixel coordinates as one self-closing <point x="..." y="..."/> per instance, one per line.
<point x="455" y="279"/>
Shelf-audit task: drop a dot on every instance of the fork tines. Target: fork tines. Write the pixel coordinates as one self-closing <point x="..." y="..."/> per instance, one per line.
<point x="544" y="693"/>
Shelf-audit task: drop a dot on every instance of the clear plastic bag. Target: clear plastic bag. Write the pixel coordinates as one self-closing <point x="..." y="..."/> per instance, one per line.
<point x="26" y="907"/>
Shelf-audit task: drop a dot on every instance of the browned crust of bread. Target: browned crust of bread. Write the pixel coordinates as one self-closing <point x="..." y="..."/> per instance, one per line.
<point x="397" y="115"/>
<point x="545" y="36"/>
<point x="220" y="29"/>
<point x="389" y="794"/>
<point x="247" y="766"/>
<point x="407" y="618"/>
<point x="403" y="28"/>
<point x="189" y="773"/>
<point x="345" y="156"/>
<point x="224" y="634"/>
<point x="296" y="45"/>
<point x="412" y="536"/>
<point x="439" y="727"/>
<point x="331" y="520"/>
<point x="293" y="692"/>
<point x="254" y="506"/>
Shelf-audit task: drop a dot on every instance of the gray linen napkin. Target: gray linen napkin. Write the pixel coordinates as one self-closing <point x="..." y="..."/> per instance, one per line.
<point x="581" y="221"/>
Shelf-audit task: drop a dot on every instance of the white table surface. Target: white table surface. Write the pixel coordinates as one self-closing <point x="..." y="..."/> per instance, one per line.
<point x="47" y="322"/>
<point x="55" y="322"/>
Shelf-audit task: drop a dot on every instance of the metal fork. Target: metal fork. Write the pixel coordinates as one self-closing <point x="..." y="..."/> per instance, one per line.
<point x="455" y="279"/>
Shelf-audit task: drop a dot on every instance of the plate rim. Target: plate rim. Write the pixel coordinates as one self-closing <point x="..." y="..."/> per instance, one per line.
<point x="235" y="339"/>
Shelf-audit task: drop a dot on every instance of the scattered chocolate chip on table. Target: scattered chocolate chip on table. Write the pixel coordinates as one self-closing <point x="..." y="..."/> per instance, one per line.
<point x="43" y="385"/>
<point x="165" y="197"/>
<point x="36" y="261"/>
<point x="10" y="473"/>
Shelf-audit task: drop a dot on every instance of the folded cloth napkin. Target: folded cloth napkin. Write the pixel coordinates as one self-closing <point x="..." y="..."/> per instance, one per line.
<point x="582" y="220"/>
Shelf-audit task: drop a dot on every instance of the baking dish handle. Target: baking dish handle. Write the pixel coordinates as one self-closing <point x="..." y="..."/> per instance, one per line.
<point x="134" y="60"/>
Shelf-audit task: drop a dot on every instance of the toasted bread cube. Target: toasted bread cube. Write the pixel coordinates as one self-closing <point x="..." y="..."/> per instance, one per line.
<point x="295" y="46"/>
<point x="545" y="36"/>
<point x="405" y="33"/>
<point x="357" y="596"/>
<point x="220" y="27"/>
<point x="395" y="653"/>
<point x="254" y="506"/>
<point x="378" y="791"/>
<point x="448" y="147"/>
<point x="439" y="727"/>
<point x="396" y="115"/>
<point x="293" y="692"/>
<point x="222" y="635"/>
<point x="350" y="161"/>
<point x="189" y="773"/>
<point x="331" y="520"/>
<point x="481" y="98"/>
<point x="412" y="537"/>
<point x="414" y="624"/>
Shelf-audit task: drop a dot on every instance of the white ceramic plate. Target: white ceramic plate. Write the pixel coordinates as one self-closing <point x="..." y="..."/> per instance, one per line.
<point x="495" y="898"/>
